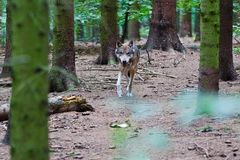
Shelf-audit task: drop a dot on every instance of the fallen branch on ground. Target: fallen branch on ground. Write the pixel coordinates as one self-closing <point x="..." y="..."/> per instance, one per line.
<point x="201" y="150"/>
<point x="57" y="104"/>
<point x="150" y="72"/>
<point x="140" y="77"/>
<point x="100" y="69"/>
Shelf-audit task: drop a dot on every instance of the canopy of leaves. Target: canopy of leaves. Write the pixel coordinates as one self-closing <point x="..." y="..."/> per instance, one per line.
<point x="186" y="5"/>
<point x="143" y="13"/>
<point x="87" y="11"/>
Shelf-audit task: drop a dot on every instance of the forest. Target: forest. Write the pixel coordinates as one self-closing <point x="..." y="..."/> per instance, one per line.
<point x="120" y="79"/>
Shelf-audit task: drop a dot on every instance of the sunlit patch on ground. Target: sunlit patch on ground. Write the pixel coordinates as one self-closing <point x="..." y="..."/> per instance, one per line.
<point x="139" y="109"/>
<point x="129" y="142"/>
<point x="192" y="106"/>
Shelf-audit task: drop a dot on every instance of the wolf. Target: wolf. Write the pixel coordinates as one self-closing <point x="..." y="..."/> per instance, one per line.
<point x="128" y="55"/>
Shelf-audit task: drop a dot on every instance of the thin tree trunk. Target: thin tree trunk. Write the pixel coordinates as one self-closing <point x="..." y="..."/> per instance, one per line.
<point x="134" y="25"/>
<point x="77" y="30"/>
<point x="209" y="56"/>
<point x="178" y="21"/>
<point x="95" y="31"/>
<point x="6" y="70"/>
<point x="186" y="19"/>
<point x="134" y="30"/>
<point x="89" y="31"/>
<point x="227" y="71"/>
<point x="162" y="34"/>
<point x="63" y="73"/>
<point x="82" y="37"/>
<point x="197" y="24"/>
<point x="29" y="120"/>
<point x="1" y="12"/>
<point x="186" y="24"/>
<point x="125" y="25"/>
<point x="108" y="32"/>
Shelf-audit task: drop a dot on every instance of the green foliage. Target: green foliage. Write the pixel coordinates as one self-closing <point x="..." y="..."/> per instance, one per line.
<point x="87" y="11"/>
<point x="3" y="21"/>
<point x="143" y="14"/>
<point x="236" y="17"/>
<point x="236" y="50"/>
<point x="187" y="5"/>
<point x="236" y="22"/>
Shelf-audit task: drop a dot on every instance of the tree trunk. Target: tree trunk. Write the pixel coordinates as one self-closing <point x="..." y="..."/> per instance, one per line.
<point x="63" y="74"/>
<point x="186" y="24"/>
<point x="227" y="71"/>
<point x="29" y="120"/>
<point x="89" y="31"/>
<point x="82" y="37"/>
<point x="125" y="25"/>
<point x="95" y="32"/>
<point x="6" y="70"/>
<point x="1" y="25"/>
<point x="178" y="12"/>
<point x="108" y="32"/>
<point x="77" y="30"/>
<point x="162" y="34"/>
<point x="134" y="25"/>
<point x="209" y="50"/>
<point x="186" y="19"/>
<point x="197" y="24"/>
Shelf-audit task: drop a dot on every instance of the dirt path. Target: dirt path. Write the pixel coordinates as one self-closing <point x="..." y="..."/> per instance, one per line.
<point x="158" y="130"/>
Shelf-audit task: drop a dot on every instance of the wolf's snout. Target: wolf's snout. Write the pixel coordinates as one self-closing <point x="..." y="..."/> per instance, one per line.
<point x="124" y="62"/>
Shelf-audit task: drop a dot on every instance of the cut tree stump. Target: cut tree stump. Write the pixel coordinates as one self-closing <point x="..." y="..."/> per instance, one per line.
<point x="57" y="104"/>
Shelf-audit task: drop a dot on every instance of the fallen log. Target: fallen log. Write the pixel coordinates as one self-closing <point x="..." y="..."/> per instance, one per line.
<point x="57" y="104"/>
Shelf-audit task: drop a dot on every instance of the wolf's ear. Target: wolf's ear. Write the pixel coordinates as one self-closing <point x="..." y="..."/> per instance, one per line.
<point x="130" y="43"/>
<point x="119" y="44"/>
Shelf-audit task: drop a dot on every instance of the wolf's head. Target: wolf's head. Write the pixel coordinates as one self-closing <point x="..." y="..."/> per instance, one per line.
<point x="125" y="52"/>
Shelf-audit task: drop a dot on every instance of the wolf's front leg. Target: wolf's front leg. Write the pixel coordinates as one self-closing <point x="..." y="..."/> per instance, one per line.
<point x="129" y="87"/>
<point x="119" y="87"/>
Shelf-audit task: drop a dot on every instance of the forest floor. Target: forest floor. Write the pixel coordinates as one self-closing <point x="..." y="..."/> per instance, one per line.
<point x="161" y="123"/>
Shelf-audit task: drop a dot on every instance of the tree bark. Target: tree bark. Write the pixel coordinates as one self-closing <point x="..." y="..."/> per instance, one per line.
<point x="209" y="50"/>
<point x="63" y="73"/>
<point x="95" y="31"/>
<point x="88" y="31"/>
<point x="125" y="25"/>
<point x="178" y="12"/>
<point x="162" y="34"/>
<point x="29" y="120"/>
<point x="82" y="33"/>
<point x="77" y="30"/>
<point x="6" y="70"/>
<point x="108" y="32"/>
<point x="134" y="25"/>
<point x="186" y="19"/>
<point x="1" y="12"/>
<point x="227" y="71"/>
<point x="197" y="24"/>
<point x="186" y="24"/>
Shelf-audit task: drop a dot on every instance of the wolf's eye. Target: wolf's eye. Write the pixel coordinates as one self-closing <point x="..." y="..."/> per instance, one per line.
<point x="129" y="53"/>
<point x="120" y="52"/>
